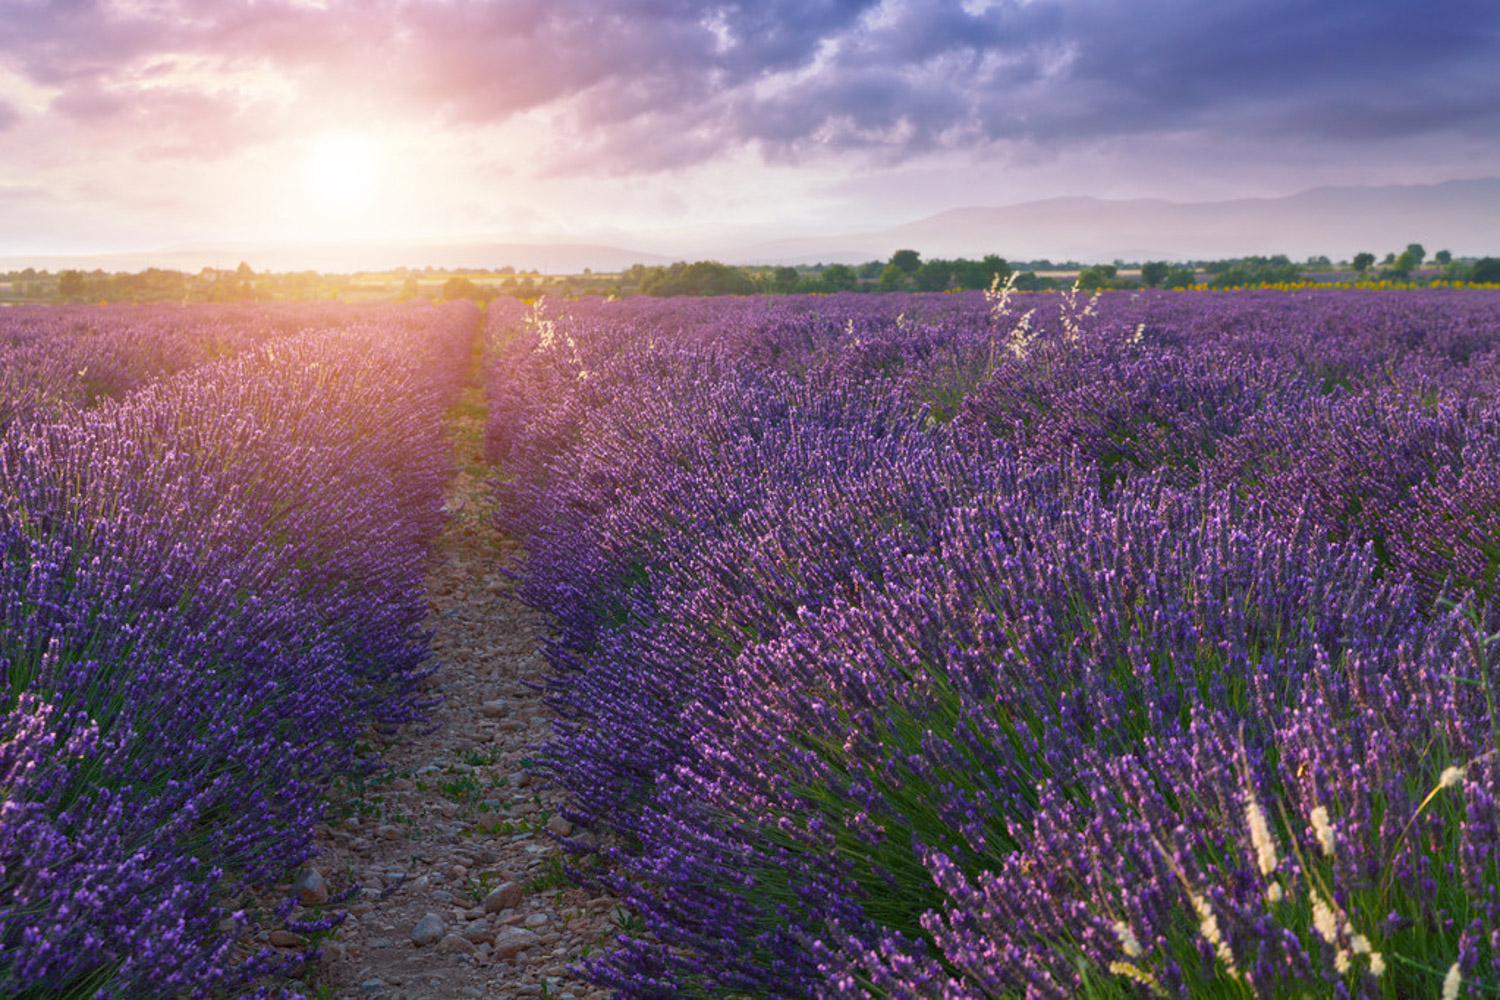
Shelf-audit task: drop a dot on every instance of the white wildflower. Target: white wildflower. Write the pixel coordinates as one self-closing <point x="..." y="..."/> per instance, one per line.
<point x="1139" y="975"/>
<point x="1274" y="893"/>
<point x="1451" y="982"/>
<point x="1128" y="942"/>
<point x="1260" y="836"/>
<point x="1377" y="963"/>
<point x="1208" y="926"/>
<point x="1450" y="777"/>
<point x="1323" y="828"/>
<point x="1324" y="921"/>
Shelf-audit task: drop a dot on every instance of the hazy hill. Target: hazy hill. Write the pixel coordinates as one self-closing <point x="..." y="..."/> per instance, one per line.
<point x="1461" y="216"/>
<point x="340" y="258"/>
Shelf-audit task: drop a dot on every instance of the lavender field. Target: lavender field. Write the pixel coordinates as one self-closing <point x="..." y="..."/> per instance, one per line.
<point x="982" y="646"/>
<point x="904" y="646"/>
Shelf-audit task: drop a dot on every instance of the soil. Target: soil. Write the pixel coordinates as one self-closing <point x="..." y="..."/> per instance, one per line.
<point x="456" y="833"/>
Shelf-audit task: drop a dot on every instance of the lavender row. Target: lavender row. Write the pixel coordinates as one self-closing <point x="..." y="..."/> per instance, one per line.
<point x="210" y="589"/>
<point x="945" y="647"/>
<point x="53" y="356"/>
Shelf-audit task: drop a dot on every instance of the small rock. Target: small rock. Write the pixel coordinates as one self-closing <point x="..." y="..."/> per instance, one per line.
<point x="310" y="887"/>
<point x="453" y="942"/>
<point x="374" y="988"/>
<point x="479" y="932"/>
<point x="559" y="826"/>
<point x="503" y="897"/>
<point x="429" y="930"/>
<point x="285" y="939"/>
<point x="497" y="709"/>
<point x="538" y="920"/>
<point x="512" y="941"/>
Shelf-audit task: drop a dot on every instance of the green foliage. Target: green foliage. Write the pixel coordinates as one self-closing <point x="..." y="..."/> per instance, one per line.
<point x="1096" y="277"/>
<point x="1253" y="271"/>
<point x="461" y="288"/>
<point x="1363" y="260"/>
<point x="980" y="274"/>
<point x="704" y="277"/>
<point x="932" y="276"/>
<point x="784" y="279"/>
<point x="839" y="278"/>
<point x="1180" y="277"/>
<point x="1028" y="281"/>
<point x="1154" y="272"/>
<point x="892" y="278"/>
<point x="906" y="261"/>
<point x="1485" y="270"/>
<point x="70" y="284"/>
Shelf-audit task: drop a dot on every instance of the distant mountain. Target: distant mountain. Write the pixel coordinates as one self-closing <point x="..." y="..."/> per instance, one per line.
<point x="345" y="258"/>
<point x="1461" y="216"/>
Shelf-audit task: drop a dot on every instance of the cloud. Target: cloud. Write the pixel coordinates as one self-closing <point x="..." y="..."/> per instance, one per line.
<point x="9" y="116"/>
<point x="655" y="84"/>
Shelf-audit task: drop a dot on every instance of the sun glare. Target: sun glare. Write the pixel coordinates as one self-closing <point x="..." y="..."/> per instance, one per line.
<point x="342" y="172"/>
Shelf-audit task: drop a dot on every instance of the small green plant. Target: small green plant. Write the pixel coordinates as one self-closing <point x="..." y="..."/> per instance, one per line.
<point x="553" y="876"/>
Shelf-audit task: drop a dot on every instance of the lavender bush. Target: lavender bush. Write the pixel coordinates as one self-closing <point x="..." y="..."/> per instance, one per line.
<point x="211" y="588"/>
<point x="965" y="646"/>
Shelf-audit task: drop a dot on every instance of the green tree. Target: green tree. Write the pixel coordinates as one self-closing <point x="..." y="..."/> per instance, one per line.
<point x="933" y="276"/>
<point x="891" y="278"/>
<point x="1154" y="272"/>
<point x="460" y="288"/>
<point x="1417" y="254"/>
<point x="870" y="270"/>
<point x="70" y="284"/>
<point x="1096" y="277"/>
<point x="1362" y="261"/>
<point x="784" y="279"/>
<point x="980" y="273"/>
<point x="1029" y="281"/>
<point x="1442" y="258"/>
<point x="1485" y="271"/>
<point x="839" y="278"/>
<point x="409" y="290"/>
<point x="1180" y="277"/>
<point x="703" y="277"/>
<point x="906" y="261"/>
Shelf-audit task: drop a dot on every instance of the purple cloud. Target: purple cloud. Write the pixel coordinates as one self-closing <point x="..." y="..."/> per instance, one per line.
<point x="650" y="84"/>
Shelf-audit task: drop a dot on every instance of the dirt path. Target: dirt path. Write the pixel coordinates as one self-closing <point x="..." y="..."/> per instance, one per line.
<point x="461" y="889"/>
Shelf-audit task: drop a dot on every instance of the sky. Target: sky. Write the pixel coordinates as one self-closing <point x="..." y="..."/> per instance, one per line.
<point x="136" y="124"/>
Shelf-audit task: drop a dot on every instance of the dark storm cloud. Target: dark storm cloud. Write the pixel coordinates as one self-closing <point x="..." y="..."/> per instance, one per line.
<point x="652" y="83"/>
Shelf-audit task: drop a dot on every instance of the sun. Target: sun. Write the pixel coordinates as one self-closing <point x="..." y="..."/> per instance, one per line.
<point x="342" y="171"/>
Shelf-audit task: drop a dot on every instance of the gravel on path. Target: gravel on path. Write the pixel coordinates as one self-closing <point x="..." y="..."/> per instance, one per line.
<point x="461" y="889"/>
